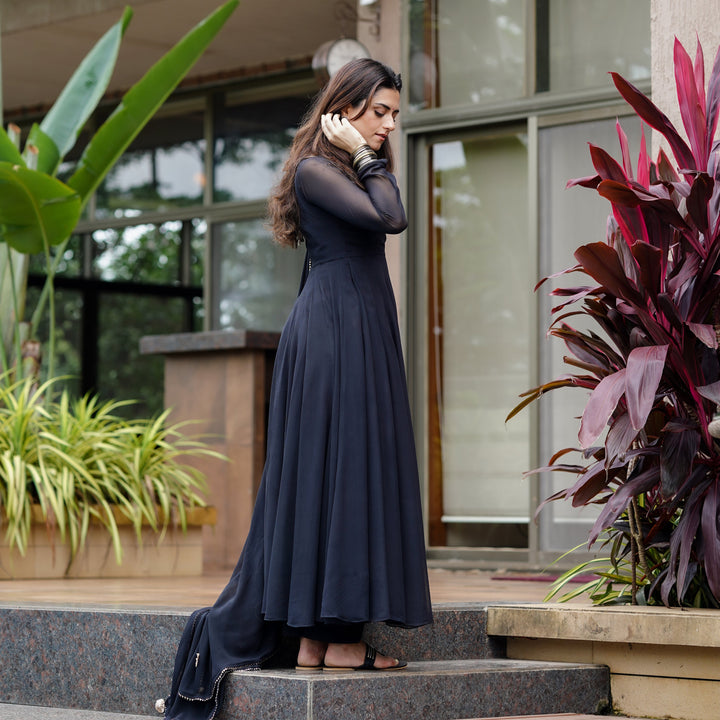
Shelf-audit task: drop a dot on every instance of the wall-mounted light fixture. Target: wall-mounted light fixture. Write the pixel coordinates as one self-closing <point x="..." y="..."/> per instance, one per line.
<point x="374" y="7"/>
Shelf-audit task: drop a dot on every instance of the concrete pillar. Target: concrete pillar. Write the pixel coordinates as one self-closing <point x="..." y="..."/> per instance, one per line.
<point x="687" y="20"/>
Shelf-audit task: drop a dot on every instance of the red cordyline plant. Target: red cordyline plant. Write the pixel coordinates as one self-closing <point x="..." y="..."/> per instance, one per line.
<point x="653" y="371"/>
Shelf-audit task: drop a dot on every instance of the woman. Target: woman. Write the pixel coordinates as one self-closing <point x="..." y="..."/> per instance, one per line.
<point x="336" y="539"/>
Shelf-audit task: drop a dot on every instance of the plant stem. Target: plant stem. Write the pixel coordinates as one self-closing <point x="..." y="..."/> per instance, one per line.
<point x="18" y="319"/>
<point x="637" y="549"/>
<point x="47" y="287"/>
<point x="639" y="539"/>
<point x="51" y="302"/>
<point x="633" y="559"/>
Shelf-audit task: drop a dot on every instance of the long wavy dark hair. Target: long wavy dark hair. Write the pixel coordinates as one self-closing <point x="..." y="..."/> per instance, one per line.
<point x="354" y="84"/>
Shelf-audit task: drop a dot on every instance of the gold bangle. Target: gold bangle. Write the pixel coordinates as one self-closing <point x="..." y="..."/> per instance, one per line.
<point x="362" y="156"/>
<point x="360" y="149"/>
<point x="363" y="161"/>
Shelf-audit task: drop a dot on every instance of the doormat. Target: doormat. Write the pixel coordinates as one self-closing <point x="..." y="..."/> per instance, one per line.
<point x="544" y="578"/>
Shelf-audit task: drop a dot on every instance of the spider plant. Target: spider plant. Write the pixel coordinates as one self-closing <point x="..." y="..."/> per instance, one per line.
<point x="78" y="462"/>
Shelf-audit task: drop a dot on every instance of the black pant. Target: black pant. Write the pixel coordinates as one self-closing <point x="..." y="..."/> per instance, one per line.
<point x="339" y="632"/>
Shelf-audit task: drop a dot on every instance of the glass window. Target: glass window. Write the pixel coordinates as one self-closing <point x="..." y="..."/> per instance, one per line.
<point x="475" y="53"/>
<point x="590" y="38"/>
<point x="123" y="373"/>
<point x="163" y="168"/>
<point x="256" y="279"/>
<point x="568" y="218"/>
<point x="466" y="52"/>
<point x="147" y="253"/>
<point x="251" y="144"/>
<point x="480" y="310"/>
<point x="68" y="334"/>
<point x="70" y="264"/>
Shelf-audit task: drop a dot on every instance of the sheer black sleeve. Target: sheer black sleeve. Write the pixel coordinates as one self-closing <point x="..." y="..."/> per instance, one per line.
<point x="377" y="207"/>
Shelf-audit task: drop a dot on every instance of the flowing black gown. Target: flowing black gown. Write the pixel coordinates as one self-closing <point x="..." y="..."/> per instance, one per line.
<point x="337" y="532"/>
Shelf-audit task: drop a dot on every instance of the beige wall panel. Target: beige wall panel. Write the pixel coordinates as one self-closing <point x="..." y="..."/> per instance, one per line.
<point x="666" y="697"/>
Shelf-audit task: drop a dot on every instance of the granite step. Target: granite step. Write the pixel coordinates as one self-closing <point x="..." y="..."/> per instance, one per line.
<point x="431" y="690"/>
<point x="35" y="712"/>
<point x="557" y="716"/>
<point x="120" y="660"/>
<point x="106" y="661"/>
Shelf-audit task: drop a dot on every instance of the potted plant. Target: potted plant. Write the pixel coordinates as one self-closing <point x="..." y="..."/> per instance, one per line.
<point x="68" y="465"/>
<point x="649" y="447"/>
<point x="71" y="464"/>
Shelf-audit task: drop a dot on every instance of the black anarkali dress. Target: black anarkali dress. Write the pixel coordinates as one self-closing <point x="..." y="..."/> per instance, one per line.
<point x="337" y="532"/>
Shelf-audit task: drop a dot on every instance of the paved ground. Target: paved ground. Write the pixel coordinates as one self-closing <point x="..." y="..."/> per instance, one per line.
<point x="445" y="586"/>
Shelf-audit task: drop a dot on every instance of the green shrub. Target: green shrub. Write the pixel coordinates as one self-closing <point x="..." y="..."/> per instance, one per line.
<point x="80" y="462"/>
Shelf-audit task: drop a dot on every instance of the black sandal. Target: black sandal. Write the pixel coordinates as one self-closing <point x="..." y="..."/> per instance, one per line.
<point x="368" y="664"/>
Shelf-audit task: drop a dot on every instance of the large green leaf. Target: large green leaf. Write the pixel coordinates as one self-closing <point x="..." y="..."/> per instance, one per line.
<point x="84" y="90"/>
<point x="48" y="155"/>
<point x="141" y="102"/>
<point x="8" y="151"/>
<point x="35" y="209"/>
<point x="13" y="286"/>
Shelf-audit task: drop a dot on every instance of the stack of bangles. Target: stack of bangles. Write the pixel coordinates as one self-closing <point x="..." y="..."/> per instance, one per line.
<point x="361" y="156"/>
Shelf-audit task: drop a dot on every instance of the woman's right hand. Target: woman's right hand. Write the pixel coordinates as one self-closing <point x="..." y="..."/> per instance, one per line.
<point x="340" y="132"/>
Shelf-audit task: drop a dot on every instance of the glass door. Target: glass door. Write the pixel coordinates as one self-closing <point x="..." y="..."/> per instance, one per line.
<point x="479" y="297"/>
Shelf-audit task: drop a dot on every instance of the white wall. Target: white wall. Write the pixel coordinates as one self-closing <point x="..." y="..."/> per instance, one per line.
<point x="687" y="20"/>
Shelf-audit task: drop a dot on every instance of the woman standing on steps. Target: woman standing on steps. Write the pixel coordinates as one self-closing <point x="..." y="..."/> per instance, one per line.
<point x="336" y="539"/>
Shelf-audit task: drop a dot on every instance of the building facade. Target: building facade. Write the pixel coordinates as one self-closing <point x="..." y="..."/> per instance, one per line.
<point x="501" y="98"/>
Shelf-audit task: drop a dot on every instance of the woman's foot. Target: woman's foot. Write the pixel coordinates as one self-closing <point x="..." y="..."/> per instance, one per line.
<point x="311" y="654"/>
<point x="354" y="655"/>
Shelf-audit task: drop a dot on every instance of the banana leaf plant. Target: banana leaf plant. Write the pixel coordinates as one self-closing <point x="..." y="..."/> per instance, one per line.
<point x="648" y="450"/>
<point x="38" y="211"/>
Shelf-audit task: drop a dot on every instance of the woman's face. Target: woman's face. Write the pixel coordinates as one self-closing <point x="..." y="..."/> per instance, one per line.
<point x="378" y="120"/>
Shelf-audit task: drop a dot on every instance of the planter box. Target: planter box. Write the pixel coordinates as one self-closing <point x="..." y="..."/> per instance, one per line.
<point x="663" y="662"/>
<point x="178" y="553"/>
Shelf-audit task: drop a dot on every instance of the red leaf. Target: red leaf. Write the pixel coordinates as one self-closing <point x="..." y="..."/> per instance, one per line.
<point x="681" y="547"/>
<point x="621" y="499"/>
<point x="704" y="333"/>
<point x="608" y="168"/>
<point x="644" y="370"/>
<point x="655" y="118"/>
<point x="711" y="537"/>
<point x="699" y="199"/>
<point x="600" y="407"/>
<point x="602" y="263"/>
<point x="713" y="100"/>
<point x="643" y="173"/>
<point x="619" y="438"/>
<point x="700" y="73"/>
<point x="665" y="170"/>
<point x="711" y="392"/>
<point x="693" y="114"/>
<point x="625" y="149"/>
<point x="677" y="452"/>
<point x="649" y="260"/>
<point x="590" y="181"/>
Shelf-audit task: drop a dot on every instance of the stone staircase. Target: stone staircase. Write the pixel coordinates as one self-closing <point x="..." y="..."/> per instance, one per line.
<point x="95" y="663"/>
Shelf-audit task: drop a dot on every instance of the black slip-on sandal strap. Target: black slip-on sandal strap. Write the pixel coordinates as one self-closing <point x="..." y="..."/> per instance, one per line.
<point x="370" y="655"/>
